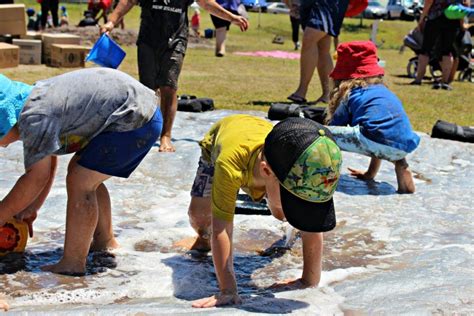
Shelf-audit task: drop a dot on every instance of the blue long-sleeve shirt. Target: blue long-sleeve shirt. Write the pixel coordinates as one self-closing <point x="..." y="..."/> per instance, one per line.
<point x="380" y="115"/>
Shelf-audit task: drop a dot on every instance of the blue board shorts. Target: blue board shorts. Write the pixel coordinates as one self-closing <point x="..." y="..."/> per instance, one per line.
<point x="119" y="153"/>
<point x="349" y="138"/>
<point x="323" y="15"/>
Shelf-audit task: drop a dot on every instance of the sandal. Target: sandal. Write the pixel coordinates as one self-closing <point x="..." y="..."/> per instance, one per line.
<point x="320" y="101"/>
<point x="297" y="99"/>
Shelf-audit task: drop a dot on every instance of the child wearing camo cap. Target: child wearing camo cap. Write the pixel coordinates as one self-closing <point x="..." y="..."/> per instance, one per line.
<point x="107" y="118"/>
<point x="294" y="164"/>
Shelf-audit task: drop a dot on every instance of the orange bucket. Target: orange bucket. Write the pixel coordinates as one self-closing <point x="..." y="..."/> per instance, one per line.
<point x="13" y="237"/>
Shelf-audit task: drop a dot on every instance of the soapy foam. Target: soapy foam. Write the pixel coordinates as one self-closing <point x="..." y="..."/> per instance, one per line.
<point x="386" y="255"/>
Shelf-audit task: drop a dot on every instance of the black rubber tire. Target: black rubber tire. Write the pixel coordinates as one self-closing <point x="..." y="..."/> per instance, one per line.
<point x="412" y="67"/>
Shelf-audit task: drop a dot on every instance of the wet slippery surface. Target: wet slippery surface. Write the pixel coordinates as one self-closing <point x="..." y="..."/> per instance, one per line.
<point x="389" y="254"/>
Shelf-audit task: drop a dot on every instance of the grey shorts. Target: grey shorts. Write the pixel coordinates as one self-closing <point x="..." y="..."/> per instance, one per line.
<point x="158" y="67"/>
<point x="203" y="181"/>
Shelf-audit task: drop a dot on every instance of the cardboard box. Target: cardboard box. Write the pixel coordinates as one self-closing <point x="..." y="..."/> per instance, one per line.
<point x="60" y="38"/>
<point x="9" y="55"/>
<point x="30" y="51"/>
<point x="12" y="19"/>
<point x="65" y="55"/>
<point x="32" y="35"/>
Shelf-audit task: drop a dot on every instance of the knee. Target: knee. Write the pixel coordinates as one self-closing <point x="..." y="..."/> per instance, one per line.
<point x="75" y="183"/>
<point x="199" y="213"/>
<point x="193" y="212"/>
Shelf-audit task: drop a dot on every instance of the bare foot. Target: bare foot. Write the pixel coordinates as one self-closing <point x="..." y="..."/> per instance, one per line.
<point x="3" y="305"/>
<point x="104" y="245"/>
<point x="166" y="145"/>
<point x="194" y="243"/>
<point x="62" y="267"/>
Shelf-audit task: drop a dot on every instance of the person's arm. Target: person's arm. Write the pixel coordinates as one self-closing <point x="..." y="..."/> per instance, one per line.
<point x="28" y="189"/>
<point x="424" y="14"/>
<point x="123" y="7"/>
<point x="29" y="214"/>
<point x="312" y="264"/>
<point x="371" y="172"/>
<point x="221" y="243"/>
<point x="217" y="10"/>
<point x="312" y="258"/>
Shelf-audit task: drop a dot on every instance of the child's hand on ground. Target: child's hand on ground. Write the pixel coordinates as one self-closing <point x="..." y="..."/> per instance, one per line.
<point x="289" y="285"/>
<point x="359" y="174"/>
<point x="218" y="300"/>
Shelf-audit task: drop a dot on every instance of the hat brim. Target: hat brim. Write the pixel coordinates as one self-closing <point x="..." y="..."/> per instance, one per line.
<point x="307" y="216"/>
<point x="341" y="73"/>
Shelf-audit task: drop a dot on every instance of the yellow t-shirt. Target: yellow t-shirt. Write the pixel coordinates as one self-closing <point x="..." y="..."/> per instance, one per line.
<point x="232" y="146"/>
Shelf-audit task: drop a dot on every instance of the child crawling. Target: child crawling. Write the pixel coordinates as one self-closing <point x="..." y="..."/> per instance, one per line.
<point x="295" y="165"/>
<point x="378" y="125"/>
<point x="107" y="118"/>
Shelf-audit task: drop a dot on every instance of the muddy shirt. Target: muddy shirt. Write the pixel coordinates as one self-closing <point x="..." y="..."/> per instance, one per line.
<point x="232" y="146"/>
<point x="64" y="113"/>
<point x="164" y="23"/>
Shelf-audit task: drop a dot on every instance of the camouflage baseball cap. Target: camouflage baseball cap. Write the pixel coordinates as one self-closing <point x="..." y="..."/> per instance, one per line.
<point x="307" y="163"/>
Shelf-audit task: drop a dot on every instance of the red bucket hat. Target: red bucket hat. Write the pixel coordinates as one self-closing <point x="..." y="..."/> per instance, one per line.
<point x="356" y="59"/>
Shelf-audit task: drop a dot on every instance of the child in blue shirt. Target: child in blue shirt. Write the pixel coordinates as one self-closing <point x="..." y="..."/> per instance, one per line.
<point x="378" y="125"/>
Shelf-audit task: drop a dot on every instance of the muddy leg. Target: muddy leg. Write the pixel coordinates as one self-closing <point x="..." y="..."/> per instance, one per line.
<point x="404" y="177"/>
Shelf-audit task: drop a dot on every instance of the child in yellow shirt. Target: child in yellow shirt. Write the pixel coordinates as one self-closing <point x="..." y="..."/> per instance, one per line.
<point x="295" y="165"/>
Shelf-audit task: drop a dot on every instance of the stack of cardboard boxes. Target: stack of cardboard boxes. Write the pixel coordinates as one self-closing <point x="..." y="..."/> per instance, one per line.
<point x="9" y="55"/>
<point x="57" y="50"/>
<point x="30" y="51"/>
<point x="63" y="50"/>
<point x="12" y="19"/>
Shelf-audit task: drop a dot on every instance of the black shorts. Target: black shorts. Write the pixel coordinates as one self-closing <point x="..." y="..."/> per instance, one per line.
<point x="439" y="34"/>
<point x="218" y="22"/>
<point x="158" y="67"/>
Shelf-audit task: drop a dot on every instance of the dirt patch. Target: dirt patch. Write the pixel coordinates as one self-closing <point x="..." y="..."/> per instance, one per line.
<point x="127" y="37"/>
<point x="90" y="34"/>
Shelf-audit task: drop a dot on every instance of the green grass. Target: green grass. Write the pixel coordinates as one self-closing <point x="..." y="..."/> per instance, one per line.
<point x="252" y="83"/>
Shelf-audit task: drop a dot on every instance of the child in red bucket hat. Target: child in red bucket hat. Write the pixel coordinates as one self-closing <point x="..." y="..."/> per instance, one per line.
<point x="366" y="117"/>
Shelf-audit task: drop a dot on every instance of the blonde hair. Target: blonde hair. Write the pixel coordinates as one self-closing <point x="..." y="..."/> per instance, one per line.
<point x="342" y="89"/>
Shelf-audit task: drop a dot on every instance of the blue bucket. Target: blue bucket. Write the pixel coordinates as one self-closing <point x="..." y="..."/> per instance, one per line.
<point x="106" y="53"/>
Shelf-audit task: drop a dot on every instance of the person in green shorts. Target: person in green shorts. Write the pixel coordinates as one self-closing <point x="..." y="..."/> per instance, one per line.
<point x="294" y="165"/>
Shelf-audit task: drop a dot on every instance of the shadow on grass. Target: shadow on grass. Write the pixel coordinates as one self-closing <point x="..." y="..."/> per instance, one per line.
<point x="354" y="28"/>
<point x="266" y="103"/>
